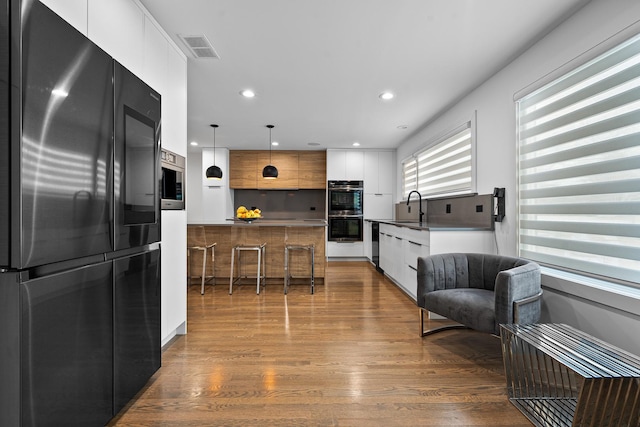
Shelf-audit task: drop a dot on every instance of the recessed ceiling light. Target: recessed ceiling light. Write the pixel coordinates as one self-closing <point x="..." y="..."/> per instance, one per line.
<point x="275" y="143"/>
<point x="194" y="143"/>
<point x="402" y="127"/>
<point x="356" y="144"/>
<point x="248" y="93"/>
<point x="386" y="96"/>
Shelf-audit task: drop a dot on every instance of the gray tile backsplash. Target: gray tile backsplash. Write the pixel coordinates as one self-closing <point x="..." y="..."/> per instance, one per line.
<point x="474" y="211"/>
<point x="284" y="204"/>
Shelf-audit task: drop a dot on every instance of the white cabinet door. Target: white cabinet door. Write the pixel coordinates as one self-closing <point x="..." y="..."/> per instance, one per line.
<point x="379" y="170"/>
<point x="354" y="165"/>
<point x="386" y="172"/>
<point x="336" y="165"/>
<point x="366" y="237"/>
<point x="391" y="258"/>
<point x="174" y="103"/>
<point x="385" y="250"/>
<point x="397" y="260"/>
<point x="72" y="11"/>
<point x="371" y="172"/>
<point x="345" y="165"/>
<point x="378" y="206"/>
<point x="345" y="249"/>
<point x="154" y="60"/>
<point x="117" y="26"/>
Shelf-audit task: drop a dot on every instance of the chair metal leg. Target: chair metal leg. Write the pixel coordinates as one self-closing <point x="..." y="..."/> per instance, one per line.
<point x="233" y="255"/>
<point x="286" y="269"/>
<point x="312" y="268"/>
<point x="258" y="272"/>
<point x="204" y="269"/>
<point x="432" y="331"/>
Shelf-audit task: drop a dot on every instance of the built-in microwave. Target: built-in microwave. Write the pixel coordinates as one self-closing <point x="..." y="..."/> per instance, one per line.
<point x="172" y="186"/>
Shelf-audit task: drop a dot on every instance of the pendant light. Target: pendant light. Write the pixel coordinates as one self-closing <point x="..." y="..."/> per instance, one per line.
<point x="214" y="172"/>
<point x="270" y="171"/>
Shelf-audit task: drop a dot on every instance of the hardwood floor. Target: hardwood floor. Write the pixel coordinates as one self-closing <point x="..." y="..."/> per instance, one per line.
<point x="350" y="355"/>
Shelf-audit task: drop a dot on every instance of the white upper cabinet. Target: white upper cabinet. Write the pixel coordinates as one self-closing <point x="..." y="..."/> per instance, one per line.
<point x="117" y="26"/>
<point x="379" y="174"/>
<point x="72" y="11"/>
<point x="378" y="184"/>
<point x="345" y="165"/>
<point x="154" y="61"/>
<point x="386" y="172"/>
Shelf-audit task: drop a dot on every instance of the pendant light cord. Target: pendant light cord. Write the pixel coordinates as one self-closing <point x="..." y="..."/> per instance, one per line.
<point x="270" y="143"/>
<point x="214" y="143"/>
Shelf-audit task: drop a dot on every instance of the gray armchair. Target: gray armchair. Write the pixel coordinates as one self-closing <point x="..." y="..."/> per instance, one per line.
<point x="479" y="291"/>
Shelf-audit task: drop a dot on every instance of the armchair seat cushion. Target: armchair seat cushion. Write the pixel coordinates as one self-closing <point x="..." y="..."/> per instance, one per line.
<point x="471" y="307"/>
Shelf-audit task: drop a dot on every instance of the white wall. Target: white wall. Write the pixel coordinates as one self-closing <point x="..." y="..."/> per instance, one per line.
<point x="127" y="32"/>
<point x="208" y="202"/>
<point x="496" y="153"/>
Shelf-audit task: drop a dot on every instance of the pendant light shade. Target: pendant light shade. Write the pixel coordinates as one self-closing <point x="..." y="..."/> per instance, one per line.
<point x="214" y="172"/>
<point x="270" y="171"/>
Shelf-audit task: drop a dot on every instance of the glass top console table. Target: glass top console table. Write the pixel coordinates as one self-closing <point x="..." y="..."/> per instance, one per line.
<point x="559" y="376"/>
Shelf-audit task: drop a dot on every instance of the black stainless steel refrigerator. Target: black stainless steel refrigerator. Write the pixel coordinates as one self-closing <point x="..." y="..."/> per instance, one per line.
<point x="79" y="225"/>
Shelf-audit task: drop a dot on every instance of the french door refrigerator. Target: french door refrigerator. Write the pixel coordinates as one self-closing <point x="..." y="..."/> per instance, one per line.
<point x="79" y="225"/>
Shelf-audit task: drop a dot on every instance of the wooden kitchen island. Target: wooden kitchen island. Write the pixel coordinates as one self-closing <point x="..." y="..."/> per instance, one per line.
<point x="275" y="233"/>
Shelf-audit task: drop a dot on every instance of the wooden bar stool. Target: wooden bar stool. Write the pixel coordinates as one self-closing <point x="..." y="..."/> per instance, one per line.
<point x="260" y="273"/>
<point x="287" y="273"/>
<point x="197" y="239"/>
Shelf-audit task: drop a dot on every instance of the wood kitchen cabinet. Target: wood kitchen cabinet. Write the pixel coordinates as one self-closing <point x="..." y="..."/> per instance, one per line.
<point x="243" y="169"/>
<point x="287" y="164"/>
<point x="296" y="169"/>
<point x="312" y="170"/>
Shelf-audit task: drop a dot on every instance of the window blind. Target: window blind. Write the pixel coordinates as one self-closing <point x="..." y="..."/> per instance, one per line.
<point x="579" y="168"/>
<point x="443" y="168"/>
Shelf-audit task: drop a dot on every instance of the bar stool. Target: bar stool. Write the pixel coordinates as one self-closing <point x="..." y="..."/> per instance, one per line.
<point x="260" y="249"/>
<point x="198" y="239"/>
<point x="287" y="275"/>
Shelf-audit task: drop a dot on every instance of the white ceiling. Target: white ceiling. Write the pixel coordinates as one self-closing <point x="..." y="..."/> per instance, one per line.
<point x="318" y="66"/>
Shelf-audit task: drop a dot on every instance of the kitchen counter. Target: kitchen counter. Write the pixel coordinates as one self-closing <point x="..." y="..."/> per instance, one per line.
<point x="276" y="233"/>
<point x="265" y="222"/>
<point x="425" y="226"/>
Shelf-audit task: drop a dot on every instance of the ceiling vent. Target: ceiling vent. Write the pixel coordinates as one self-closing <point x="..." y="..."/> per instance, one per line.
<point x="199" y="46"/>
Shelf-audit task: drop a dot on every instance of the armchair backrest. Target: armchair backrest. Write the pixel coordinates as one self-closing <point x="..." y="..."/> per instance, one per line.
<point x="484" y="268"/>
<point x="461" y="270"/>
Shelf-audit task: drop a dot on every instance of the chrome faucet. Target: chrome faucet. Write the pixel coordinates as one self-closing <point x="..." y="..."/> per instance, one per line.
<point x="421" y="215"/>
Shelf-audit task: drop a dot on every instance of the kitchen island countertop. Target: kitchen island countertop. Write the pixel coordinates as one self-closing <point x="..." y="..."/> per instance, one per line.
<point x="265" y="222"/>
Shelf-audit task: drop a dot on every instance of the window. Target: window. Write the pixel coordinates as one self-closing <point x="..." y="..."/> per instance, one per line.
<point x="444" y="167"/>
<point x="579" y="168"/>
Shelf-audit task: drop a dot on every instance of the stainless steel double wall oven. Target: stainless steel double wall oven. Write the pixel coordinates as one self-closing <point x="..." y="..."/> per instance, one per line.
<point x="345" y="209"/>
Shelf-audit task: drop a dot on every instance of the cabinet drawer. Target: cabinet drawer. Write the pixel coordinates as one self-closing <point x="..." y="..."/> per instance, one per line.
<point x="413" y="251"/>
<point x="418" y="236"/>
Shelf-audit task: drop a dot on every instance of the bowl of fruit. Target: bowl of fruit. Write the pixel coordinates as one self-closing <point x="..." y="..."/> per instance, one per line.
<point x="248" y="215"/>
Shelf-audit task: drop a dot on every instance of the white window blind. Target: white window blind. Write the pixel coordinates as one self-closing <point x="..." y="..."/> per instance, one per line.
<point x="445" y="167"/>
<point x="579" y="168"/>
